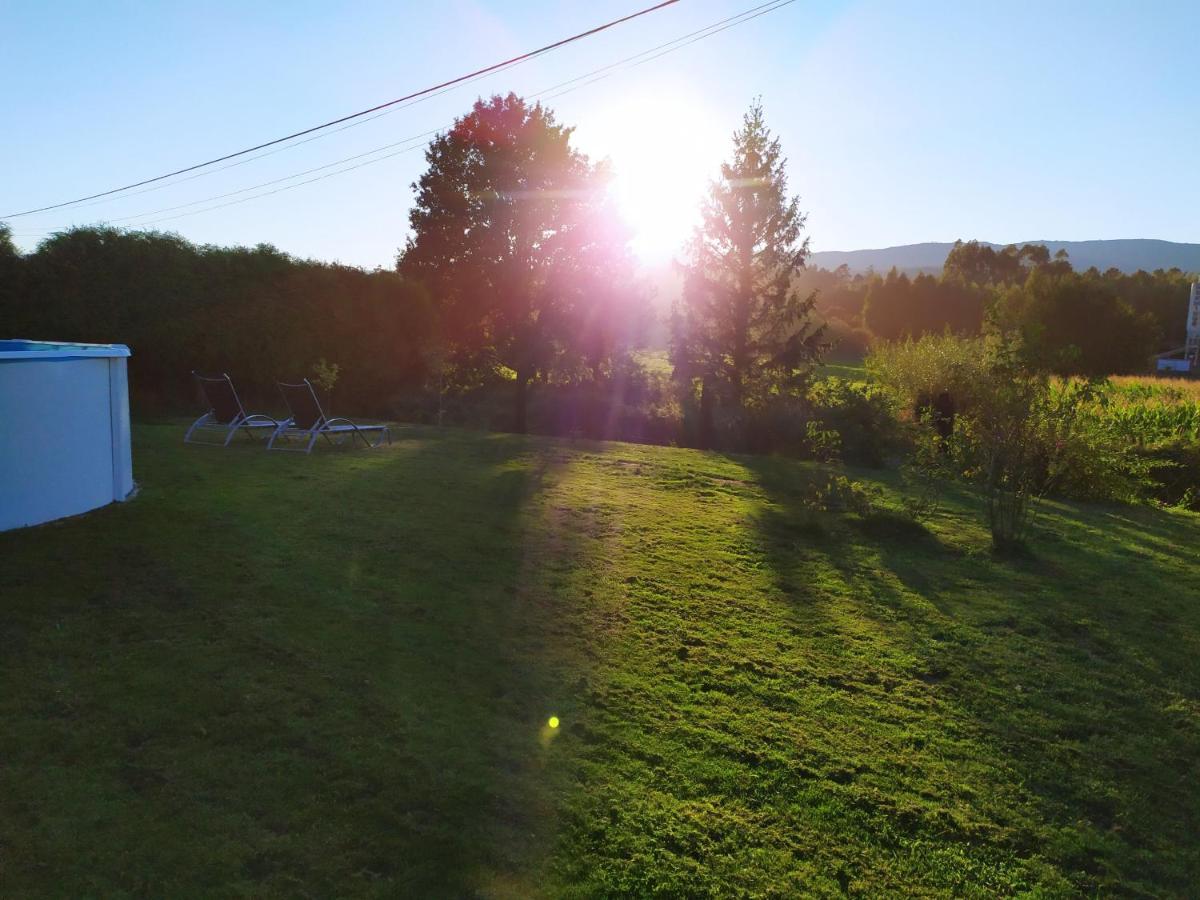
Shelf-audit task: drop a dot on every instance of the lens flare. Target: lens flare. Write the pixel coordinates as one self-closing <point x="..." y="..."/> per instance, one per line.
<point x="664" y="146"/>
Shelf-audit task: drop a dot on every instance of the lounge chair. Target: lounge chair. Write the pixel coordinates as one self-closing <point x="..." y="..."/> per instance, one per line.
<point x="309" y="422"/>
<point x="226" y="415"/>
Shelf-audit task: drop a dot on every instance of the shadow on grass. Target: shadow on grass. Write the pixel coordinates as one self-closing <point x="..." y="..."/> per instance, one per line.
<point x="274" y="674"/>
<point x="1054" y="685"/>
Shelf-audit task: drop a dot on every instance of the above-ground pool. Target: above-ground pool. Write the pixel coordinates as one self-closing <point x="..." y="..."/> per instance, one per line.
<point x="64" y="430"/>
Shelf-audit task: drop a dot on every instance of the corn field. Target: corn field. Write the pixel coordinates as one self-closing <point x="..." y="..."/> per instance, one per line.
<point x="1150" y="412"/>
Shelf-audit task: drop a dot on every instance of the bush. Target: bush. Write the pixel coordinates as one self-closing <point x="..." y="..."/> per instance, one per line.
<point x="847" y="342"/>
<point x="1017" y="433"/>
<point x="631" y="403"/>
<point x="835" y="492"/>
<point x="777" y="425"/>
<point x="834" y="419"/>
<point x="1015" y="443"/>
<point x="917" y="370"/>
<point x="862" y="415"/>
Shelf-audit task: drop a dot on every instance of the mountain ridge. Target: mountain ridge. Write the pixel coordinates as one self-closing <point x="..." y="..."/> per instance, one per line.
<point x="1126" y="254"/>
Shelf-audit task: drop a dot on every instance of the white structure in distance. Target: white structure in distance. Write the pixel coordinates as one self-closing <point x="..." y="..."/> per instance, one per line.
<point x="1189" y="359"/>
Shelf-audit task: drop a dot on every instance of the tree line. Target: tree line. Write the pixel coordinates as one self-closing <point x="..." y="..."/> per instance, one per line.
<point x="515" y="303"/>
<point x="1088" y="323"/>
<point x="256" y="313"/>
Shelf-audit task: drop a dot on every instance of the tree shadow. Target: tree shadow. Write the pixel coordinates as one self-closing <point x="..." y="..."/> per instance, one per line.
<point x="326" y="674"/>
<point x="1069" y="667"/>
<point x="454" y="626"/>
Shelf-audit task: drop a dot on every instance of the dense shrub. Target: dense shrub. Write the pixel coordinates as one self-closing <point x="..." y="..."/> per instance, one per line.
<point x="255" y="313"/>
<point x="861" y="414"/>
<point x="1175" y="473"/>
<point x="846" y="342"/>
<point x="834" y="419"/>
<point x="1018" y="432"/>
<point x="1031" y="435"/>
<point x="916" y="370"/>
<point x="631" y="403"/>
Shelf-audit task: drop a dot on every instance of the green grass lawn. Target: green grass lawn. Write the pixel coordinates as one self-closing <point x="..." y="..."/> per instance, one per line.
<point x="275" y="675"/>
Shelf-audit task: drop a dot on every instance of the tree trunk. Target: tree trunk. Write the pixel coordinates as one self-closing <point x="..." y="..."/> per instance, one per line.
<point x="706" y="413"/>
<point x="735" y="386"/>
<point x="521" y="398"/>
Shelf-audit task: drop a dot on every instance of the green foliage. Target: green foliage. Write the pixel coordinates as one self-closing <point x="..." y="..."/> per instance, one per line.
<point x="1089" y="322"/>
<point x="1072" y="325"/>
<point x="848" y="344"/>
<point x="837" y="492"/>
<point x="742" y="328"/>
<point x="1018" y="433"/>
<point x="822" y="443"/>
<point x="1158" y="422"/>
<point x="916" y="370"/>
<point x="1149" y="415"/>
<point x="924" y="473"/>
<point x="975" y="263"/>
<point x="861" y="414"/>
<point x="255" y="313"/>
<point x="325" y="375"/>
<point x="1015" y="442"/>
<point x="1162" y="296"/>
<point x="514" y="234"/>
<point x="897" y="307"/>
<point x="10" y="280"/>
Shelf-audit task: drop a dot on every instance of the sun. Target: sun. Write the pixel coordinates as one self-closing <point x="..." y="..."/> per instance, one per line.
<point x="664" y="148"/>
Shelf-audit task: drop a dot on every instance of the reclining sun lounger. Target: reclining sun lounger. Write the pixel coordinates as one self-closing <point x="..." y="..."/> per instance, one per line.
<point x="309" y="422"/>
<point x="226" y="415"/>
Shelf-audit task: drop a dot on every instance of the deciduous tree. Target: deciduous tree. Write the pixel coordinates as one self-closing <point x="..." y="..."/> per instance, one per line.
<point x="511" y="232"/>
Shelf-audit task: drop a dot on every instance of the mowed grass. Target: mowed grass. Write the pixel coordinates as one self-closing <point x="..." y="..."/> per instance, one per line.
<point x="275" y="675"/>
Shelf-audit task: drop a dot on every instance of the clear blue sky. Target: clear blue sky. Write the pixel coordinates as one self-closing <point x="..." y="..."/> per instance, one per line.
<point x="903" y="122"/>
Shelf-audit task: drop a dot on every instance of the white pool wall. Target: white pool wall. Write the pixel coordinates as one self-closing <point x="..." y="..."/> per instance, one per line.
<point x="64" y="430"/>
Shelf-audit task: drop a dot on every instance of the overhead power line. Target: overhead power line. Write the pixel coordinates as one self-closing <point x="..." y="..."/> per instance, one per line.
<point x="163" y="184"/>
<point x="683" y="40"/>
<point x="445" y="84"/>
<point x="556" y="90"/>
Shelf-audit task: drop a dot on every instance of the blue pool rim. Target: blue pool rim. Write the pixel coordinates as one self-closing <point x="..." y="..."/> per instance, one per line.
<point x="33" y="351"/>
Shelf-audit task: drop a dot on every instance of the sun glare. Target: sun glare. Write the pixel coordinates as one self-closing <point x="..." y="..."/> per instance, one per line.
<point x="664" y="149"/>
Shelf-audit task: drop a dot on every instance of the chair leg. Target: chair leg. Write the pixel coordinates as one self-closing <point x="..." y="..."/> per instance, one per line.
<point x="187" y="438"/>
<point x="275" y="434"/>
<point x="234" y="427"/>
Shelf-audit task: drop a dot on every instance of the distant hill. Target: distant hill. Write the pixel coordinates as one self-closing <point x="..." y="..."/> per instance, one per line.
<point x="1126" y="255"/>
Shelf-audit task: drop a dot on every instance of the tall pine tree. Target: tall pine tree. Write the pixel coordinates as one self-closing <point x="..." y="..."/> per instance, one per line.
<point x="742" y="327"/>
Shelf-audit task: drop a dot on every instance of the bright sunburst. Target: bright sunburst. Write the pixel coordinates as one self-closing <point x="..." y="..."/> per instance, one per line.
<point x="664" y="147"/>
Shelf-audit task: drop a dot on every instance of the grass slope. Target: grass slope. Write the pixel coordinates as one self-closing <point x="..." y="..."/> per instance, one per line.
<point x="277" y="675"/>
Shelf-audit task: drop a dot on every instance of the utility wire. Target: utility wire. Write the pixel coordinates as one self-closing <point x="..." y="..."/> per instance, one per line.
<point x="547" y="93"/>
<point x="709" y="31"/>
<point x="556" y="90"/>
<point x="160" y="185"/>
<point x="315" y="137"/>
<point x="429" y="90"/>
<point x="387" y="112"/>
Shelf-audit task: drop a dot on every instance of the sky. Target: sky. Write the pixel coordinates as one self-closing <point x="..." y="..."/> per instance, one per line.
<point x="902" y="122"/>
